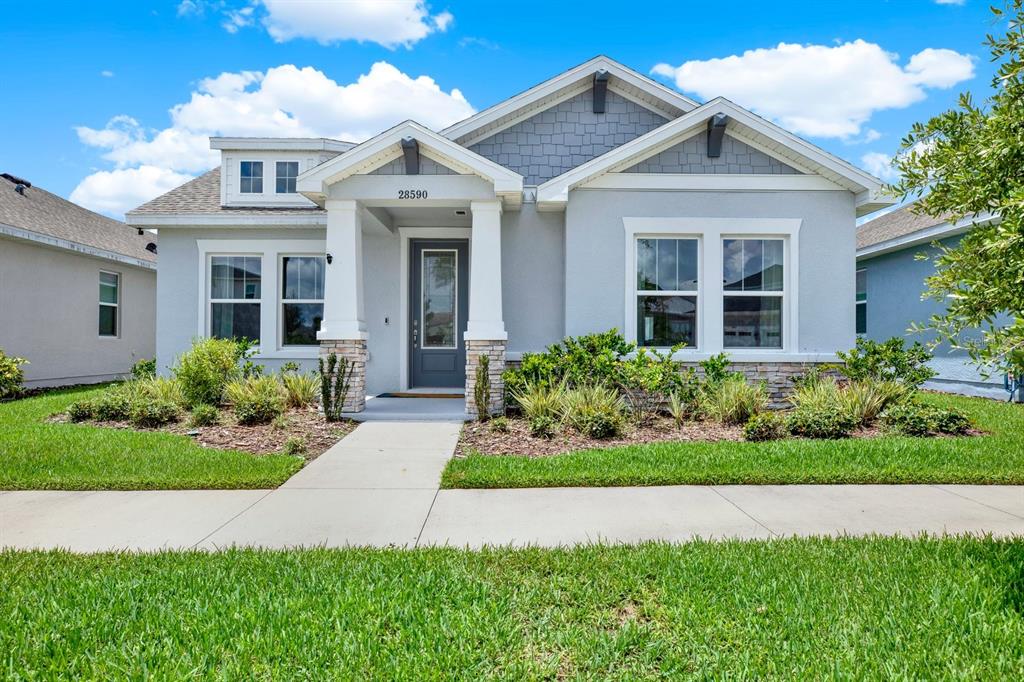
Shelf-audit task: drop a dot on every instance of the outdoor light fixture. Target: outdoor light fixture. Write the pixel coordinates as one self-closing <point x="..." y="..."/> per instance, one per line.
<point x="330" y="259"/>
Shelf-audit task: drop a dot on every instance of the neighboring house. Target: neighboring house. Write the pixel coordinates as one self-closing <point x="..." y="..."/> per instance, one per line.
<point x="596" y="199"/>
<point x="77" y="289"/>
<point x="891" y="281"/>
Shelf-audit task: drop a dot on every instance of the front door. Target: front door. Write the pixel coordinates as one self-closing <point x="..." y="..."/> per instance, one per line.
<point x="439" y="306"/>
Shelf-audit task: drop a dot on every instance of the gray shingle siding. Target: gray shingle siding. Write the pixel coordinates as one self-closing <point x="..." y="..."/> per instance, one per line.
<point x="568" y="134"/>
<point x="427" y="167"/>
<point x="691" y="156"/>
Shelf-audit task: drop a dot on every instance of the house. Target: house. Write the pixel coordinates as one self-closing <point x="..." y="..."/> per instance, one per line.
<point x="596" y="199"/>
<point x="77" y="289"/>
<point x="891" y="281"/>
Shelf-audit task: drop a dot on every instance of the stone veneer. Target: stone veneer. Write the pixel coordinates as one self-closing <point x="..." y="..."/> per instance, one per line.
<point x="354" y="350"/>
<point x="495" y="351"/>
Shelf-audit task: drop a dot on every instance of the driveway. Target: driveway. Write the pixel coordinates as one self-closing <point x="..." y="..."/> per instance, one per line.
<point x="379" y="487"/>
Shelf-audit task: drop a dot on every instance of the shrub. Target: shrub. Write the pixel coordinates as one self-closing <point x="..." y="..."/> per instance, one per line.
<point x="482" y="388"/>
<point x="829" y="421"/>
<point x="149" y="413"/>
<point x="889" y="360"/>
<point x="335" y="380"/>
<point x="951" y="421"/>
<point x="576" y="361"/>
<point x="290" y="367"/>
<point x="716" y="370"/>
<point x="595" y="411"/>
<point x="81" y="410"/>
<point x="144" y="369"/>
<point x="207" y="368"/>
<point x="543" y="426"/>
<point x="11" y="375"/>
<point x="294" y="446"/>
<point x="114" y="404"/>
<point x="648" y="379"/>
<point x="300" y="389"/>
<point x="204" y="415"/>
<point x="865" y="399"/>
<point x="157" y="388"/>
<point x="257" y="399"/>
<point x="764" y="426"/>
<point x="678" y="408"/>
<point x="818" y="394"/>
<point x="542" y="400"/>
<point x="915" y="419"/>
<point x="500" y="424"/>
<point x="734" y="401"/>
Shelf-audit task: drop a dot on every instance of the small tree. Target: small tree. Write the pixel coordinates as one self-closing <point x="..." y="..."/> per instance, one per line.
<point x="966" y="163"/>
<point x="335" y="380"/>
<point x="482" y="389"/>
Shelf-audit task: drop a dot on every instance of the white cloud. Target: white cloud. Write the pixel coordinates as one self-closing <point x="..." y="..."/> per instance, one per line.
<point x="820" y="90"/>
<point x="235" y="19"/>
<point x="391" y="24"/>
<point x="114" y="192"/>
<point x="879" y="165"/>
<point x="107" y="73"/>
<point x="950" y="2"/>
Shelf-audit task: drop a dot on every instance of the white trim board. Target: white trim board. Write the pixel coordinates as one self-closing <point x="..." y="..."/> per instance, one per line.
<point x="74" y="247"/>
<point x="711" y="182"/>
<point x="310" y="218"/>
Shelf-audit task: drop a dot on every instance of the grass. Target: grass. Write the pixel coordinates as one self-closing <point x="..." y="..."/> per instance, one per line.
<point x="997" y="457"/>
<point x="36" y="455"/>
<point x="795" y="609"/>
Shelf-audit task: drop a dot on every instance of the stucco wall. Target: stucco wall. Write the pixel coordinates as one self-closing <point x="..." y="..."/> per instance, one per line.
<point x="595" y="261"/>
<point x="49" y="300"/>
<point x="533" y="270"/>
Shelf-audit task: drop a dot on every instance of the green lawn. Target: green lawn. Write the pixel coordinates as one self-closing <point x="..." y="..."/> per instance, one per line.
<point x="994" y="458"/>
<point x="35" y="455"/>
<point x="790" y="609"/>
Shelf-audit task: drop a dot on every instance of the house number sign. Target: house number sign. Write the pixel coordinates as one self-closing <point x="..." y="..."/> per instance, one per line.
<point x="412" y="194"/>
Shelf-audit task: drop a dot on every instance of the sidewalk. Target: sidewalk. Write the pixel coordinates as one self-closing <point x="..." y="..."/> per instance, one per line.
<point x="379" y="487"/>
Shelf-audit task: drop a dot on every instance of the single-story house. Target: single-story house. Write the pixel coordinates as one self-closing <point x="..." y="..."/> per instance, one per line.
<point x="890" y="284"/>
<point x="77" y="289"/>
<point x="596" y="199"/>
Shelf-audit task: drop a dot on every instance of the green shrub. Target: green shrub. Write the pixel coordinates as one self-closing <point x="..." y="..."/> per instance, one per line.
<point x="157" y="388"/>
<point x="716" y="370"/>
<point x="915" y="419"/>
<point x="764" y="426"/>
<point x="148" y="413"/>
<point x="889" y="360"/>
<point x="594" y="411"/>
<point x="300" y="389"/>
<point x="257" y="399"/>
<point x="114" y="404"/>
<point x="819" y="394"/>
<point x="541" y="400"/>
<point x="734" y="401"/>
<point x="204" y="415"/>
<point x="543" y="426"/>
<point x="649" y="377"/>
<point x="207" y="368"/>
<point x="576" y="361"/>
<point x="335" y="381"/>
<point x="144" y="369"/>
<point x="81" y="410"/>
<point x="820" y="421"/>
<point x="865" y="399"/>
<point x="951" y="421"/>
<point x="11" y="375"/>
<point x="295" y="446"/>
<point x="500" y="424"/>
<point x="290" y="367"/>
<point x="678" y="408"/>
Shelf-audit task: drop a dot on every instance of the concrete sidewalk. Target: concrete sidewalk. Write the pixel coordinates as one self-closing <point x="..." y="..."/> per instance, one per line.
<point x="379" y="487"/>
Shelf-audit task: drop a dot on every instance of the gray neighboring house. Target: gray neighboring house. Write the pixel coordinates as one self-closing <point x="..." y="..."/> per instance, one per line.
<point x="596" y="199"/>
<point x="77" y="289"/>
<point x="890" y="282"/>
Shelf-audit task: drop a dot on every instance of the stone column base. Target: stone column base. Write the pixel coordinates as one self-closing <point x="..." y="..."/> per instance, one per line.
<point x="495" y="352"/>
<point x="353" y="350"/>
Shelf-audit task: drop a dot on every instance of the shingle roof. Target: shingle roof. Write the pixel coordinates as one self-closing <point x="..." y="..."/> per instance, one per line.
<point x="202" y="196"/>
<point x="895" y="224"/>
<point x="47" y="214"/>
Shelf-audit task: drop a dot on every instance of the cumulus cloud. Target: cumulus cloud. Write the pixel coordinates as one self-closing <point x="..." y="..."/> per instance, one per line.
<point x="879" y="165"/>
<point x="950" y="2"/>
<point x="822" y="90"/>
<point x="391" y="24"/>
<point x="236" y="19"/>
<point x="114" y="192"/>
<point x="107" y="73"/>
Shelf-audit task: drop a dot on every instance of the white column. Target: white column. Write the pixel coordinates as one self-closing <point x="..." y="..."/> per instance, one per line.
<point x="485" y="317"/>
<point x="343" y="281"/>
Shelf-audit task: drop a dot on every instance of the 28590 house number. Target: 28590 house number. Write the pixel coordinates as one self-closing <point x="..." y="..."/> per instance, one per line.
<point x="412" y="194"/>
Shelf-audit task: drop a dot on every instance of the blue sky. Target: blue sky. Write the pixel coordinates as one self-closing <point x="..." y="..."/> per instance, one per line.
<point x="110" y="103"/>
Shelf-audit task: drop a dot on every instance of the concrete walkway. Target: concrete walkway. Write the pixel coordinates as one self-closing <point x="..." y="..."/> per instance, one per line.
<point x="379" y="487"/>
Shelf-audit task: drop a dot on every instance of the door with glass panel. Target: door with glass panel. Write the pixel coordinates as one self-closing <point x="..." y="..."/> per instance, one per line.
<point x="438" y="308"/>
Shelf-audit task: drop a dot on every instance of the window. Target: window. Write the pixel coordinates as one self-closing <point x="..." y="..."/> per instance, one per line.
<point x="753" y="280"/>
<point x="862" y="301"/>
<point x="666" y="292"/>
<point x="287" y="171"/>
<point x="251" y="177"/>
<point x="110" y="300"/>
<point x="302" y="299"/>
<point x="235" y="297"/>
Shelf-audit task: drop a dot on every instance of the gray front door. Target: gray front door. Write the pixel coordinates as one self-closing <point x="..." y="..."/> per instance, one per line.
<point x="438" y="308"/>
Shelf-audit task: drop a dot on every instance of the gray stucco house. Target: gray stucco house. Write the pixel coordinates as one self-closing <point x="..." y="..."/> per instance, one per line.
<point x="891" y="281"/>
<point x="596" y="199"/>
<point x="77" y="289"/>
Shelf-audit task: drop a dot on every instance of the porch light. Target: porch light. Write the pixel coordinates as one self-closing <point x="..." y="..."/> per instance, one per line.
<point x="330" y="259"/>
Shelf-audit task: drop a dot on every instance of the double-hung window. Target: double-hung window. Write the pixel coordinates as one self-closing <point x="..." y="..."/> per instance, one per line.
<point x="250" y="177"/>
<point x="235" y="294"/>
<point x="666" y="291"/>
<point x="862" y="301"/>
<point x="110" y="301"/>
<point x="287" y="171"/>
<point x="754" y="289"/>
<point x="302" y="299"/>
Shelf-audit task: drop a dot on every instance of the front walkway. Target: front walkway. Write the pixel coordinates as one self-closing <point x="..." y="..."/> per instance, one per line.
<point x="379" y="486"/>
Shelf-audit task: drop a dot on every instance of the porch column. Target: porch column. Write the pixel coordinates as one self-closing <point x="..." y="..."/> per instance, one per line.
<point x="485" y="329"/>
<point x="343" y="329"/>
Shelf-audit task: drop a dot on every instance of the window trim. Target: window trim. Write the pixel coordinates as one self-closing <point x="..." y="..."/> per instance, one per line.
<point x="263" y="177"/>
<point x="697" y="292"/>
<point x="210" y="300"/>
<point x="781" y="293"/>
<point x="116" y="306"/>
<point x="281" y="301"/>
<point x="857" y="302"/>
<point x="298" y="172"/>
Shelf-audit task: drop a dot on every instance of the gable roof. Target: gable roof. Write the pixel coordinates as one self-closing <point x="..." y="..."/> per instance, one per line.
<point x="903" y="229"/>
<point x="43" y="217"/>
<point x="623" y="80"/>
<point x="743" y="125"/>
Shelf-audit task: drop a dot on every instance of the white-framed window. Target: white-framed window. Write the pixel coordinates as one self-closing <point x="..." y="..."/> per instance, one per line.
<point x="235" y="296"/>
<point x="302" y="299"/>
<point x="439" y="298"/>
<point x="250" y="177"/>
<point x="862" y="301"/>
<point x="666" y="290"/>
<point x="110" y="303"/>
<point x="285" y="174"/>
<point x="753" y="284"/>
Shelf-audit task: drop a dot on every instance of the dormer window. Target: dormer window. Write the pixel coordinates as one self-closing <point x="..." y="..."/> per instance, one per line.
<point x="287" y="171"/>
<point x="251" y="177"/>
